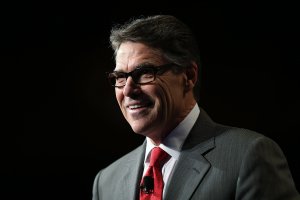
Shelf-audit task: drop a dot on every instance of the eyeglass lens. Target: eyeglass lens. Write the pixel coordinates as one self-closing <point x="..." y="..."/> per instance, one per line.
<point x="139" y="75"/>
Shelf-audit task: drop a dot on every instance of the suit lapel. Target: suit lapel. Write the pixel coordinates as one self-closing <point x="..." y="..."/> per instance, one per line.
<point x="188" y="173"/>
<point x="191" y="166"/>
<point x="132" y="174"/>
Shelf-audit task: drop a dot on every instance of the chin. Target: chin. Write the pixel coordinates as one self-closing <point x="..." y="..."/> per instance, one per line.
<point x="138" y="128"/>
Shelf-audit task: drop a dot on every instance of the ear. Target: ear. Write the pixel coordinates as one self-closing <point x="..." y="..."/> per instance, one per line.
<point x="192" y="75"/>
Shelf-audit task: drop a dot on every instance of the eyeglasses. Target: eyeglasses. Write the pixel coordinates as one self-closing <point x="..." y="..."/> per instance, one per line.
<point x="140" y="75"/>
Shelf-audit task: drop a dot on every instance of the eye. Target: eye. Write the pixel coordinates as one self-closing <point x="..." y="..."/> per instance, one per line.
<point x="143" y="75"/>
<point x="117" y="78"/>
<point x="119" y="75"/>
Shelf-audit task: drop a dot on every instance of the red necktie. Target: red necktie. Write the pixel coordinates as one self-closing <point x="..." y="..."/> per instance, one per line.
<point x="152" y="183"/>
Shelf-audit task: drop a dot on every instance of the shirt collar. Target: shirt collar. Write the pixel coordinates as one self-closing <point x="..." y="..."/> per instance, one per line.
<point x="172" y="144"/>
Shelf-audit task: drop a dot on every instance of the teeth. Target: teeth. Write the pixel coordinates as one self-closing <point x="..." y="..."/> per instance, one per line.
<point x="135" y="106"/>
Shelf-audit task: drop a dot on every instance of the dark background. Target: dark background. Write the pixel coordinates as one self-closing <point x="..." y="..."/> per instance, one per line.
<point x="60" y="116"/>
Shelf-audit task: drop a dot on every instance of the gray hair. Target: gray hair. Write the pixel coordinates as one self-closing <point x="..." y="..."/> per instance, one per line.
<point x="165" y="33"/>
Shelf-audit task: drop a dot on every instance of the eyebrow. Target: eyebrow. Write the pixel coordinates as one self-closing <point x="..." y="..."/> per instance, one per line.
<point x="146" y="64"/>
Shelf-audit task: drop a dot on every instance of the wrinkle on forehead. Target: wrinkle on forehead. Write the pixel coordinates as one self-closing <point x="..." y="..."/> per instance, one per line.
<point x="132" y="54"/>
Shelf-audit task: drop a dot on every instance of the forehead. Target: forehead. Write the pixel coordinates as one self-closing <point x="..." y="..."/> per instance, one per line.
<point x="132" y="54"/>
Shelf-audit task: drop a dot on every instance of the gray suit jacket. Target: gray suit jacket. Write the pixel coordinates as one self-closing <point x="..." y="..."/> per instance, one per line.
<point x="216" y="163"/>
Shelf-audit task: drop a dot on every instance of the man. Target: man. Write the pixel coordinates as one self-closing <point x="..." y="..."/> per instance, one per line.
<point x="155" y="80"/>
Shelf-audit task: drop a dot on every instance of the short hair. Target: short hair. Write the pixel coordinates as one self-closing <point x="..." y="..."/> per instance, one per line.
<point x="165" y="33"/>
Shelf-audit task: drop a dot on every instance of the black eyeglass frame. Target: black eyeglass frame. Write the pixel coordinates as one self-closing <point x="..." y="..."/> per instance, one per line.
<point x="137" y="72"/>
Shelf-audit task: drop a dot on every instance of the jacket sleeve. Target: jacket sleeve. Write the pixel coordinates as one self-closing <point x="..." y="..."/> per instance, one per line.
<point x="96" y="188"/>
<point x="265" y="174"/>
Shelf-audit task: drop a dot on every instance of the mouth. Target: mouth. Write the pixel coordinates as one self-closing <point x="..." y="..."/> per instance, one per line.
<point x="139" y="109"/>
<point x="138" y="106"/>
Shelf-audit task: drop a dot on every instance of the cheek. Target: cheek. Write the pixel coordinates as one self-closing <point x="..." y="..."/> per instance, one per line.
<point x="171" y="95"/>
<point x="163" y="98"/>
<point x="162" y="95"/>
<point x="171" y="89"/>
<point x="119" y="97"/>
<point x="177" y="88"/>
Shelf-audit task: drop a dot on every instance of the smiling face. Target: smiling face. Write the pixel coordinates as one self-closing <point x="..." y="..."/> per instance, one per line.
<point x="155" y="108"/>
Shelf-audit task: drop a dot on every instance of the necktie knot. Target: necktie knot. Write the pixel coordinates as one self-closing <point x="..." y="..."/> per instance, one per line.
<point x="158" y="157"/>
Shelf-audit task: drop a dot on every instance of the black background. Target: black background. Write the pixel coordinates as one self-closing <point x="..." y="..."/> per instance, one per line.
<point x="61" y="123"/>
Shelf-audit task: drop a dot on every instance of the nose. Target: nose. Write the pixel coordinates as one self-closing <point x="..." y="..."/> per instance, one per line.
<point x="131" y="88"/>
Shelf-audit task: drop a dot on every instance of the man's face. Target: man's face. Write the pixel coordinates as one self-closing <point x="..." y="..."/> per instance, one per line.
<point x="155" y="108"/>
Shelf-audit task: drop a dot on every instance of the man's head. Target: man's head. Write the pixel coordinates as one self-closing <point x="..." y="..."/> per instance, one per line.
<point x="157" y="62"/>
